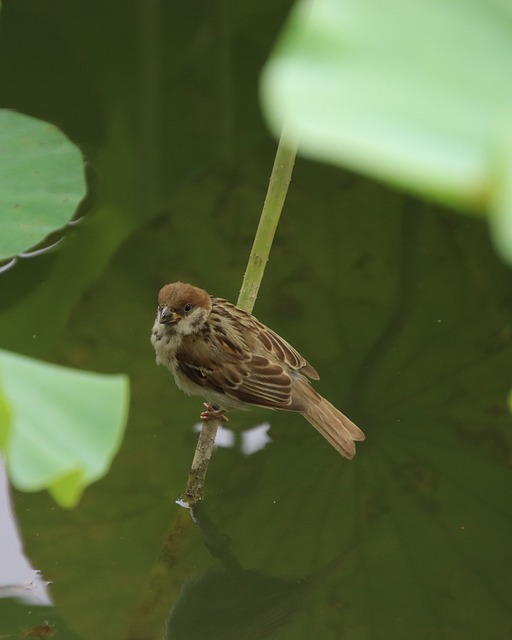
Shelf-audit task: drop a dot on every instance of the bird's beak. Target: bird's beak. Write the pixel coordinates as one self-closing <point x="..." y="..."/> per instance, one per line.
<point x="168" y="316"/>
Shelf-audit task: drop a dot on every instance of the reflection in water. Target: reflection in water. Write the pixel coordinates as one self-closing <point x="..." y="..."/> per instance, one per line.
<point x="235" y="605"/>
<point x="231" y="603"/>
<point x="224" y="602"/>
<point x="44" y="630"/>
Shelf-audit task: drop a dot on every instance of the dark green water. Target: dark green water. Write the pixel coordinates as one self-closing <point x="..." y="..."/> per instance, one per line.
<point x="403" y="309"/>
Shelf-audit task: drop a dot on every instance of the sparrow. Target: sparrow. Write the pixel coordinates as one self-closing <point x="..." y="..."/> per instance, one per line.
<point x="216" y="350"/>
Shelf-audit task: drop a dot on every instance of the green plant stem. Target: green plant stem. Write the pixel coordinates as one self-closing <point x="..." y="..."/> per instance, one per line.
<point x="272" y="207"/>
<point x="148" y="613"/>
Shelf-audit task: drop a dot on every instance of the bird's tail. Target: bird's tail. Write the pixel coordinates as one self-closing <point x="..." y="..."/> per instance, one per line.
<point x="335" y="427"/>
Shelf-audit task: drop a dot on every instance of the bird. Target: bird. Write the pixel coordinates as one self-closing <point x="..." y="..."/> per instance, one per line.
<point x="216" y="350"/>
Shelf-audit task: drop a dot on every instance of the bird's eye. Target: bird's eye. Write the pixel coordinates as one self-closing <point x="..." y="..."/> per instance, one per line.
<point x="188" y="307"/>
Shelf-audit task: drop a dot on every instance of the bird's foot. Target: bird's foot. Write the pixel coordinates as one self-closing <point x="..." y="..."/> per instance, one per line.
<point x="213" y="412"/>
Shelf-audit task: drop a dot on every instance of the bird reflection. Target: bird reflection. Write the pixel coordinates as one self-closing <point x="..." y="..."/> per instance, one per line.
<point x="231" y="603"/>
<point x="235" y="605"/>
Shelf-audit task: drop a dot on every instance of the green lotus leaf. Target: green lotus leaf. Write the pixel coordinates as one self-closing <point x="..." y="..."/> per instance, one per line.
<point x="410" y="93"/>
<point x="42" y="178"/>
<point x="60" y="428"/>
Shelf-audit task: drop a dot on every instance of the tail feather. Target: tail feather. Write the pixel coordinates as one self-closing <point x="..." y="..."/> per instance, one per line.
<point x="339" y="430"/>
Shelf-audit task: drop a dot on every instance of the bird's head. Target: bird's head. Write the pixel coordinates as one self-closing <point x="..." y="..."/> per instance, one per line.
<point x="183" y="308"/>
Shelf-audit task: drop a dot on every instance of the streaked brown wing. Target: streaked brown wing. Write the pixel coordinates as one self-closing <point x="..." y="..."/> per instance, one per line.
<point x="268" y="341"/>
<point x="253" y="379"/>
<point x="284" y="352"/>
<point x="264" y="384"/>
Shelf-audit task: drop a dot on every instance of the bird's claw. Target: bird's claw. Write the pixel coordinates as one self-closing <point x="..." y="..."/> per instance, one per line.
<point x="213" y="413"/>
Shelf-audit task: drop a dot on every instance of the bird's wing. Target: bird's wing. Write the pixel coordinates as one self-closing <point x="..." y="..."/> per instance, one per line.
<point x="284" y="352"/>
<point x="240" y="357"/>
<point x="223" y="361"/>
<point x="263" y="340"/>
<point x="256" y="381"/>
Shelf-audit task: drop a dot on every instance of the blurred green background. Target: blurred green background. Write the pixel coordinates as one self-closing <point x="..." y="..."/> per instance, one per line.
<point x="403" y="308"/>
